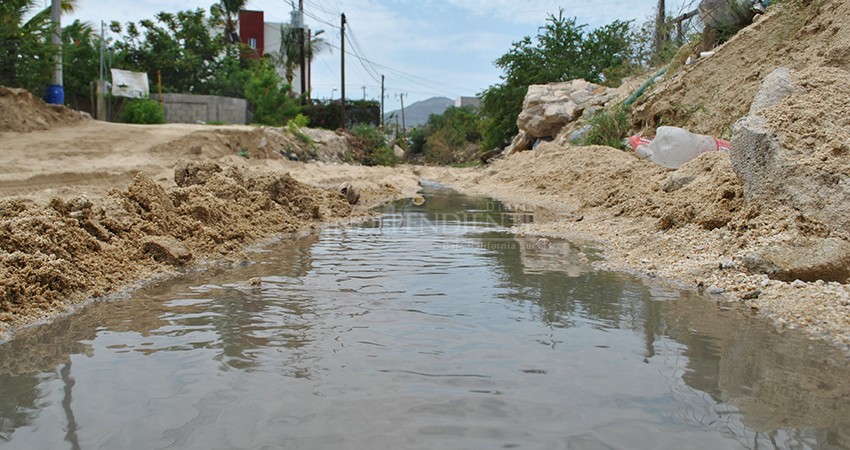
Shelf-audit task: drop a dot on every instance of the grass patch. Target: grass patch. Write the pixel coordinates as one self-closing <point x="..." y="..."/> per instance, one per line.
<point x="608" y="127"/>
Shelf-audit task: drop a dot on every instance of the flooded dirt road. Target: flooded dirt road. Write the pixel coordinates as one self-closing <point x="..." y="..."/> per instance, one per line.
<point x="431" y="327"/>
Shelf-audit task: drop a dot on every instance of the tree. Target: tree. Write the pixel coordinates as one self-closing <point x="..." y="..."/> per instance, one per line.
<point x="452" y="137"/>
<point x="288" y="55"/>
<point x="228" y="10"/>
<point x="80" y="62"/>
<point x="26" y="53"/>
<point x="315" y="47"/>
<point x="272" y="103"/>
<point x="562" y="51"/>
<point x="180" y="47"/>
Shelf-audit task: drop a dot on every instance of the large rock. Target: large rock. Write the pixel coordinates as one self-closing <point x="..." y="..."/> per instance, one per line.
<point x="547" y="108"/>
<point x="810" y="260"/>
<point x="797" y="156"/>
<point x="776" y="86"/>
<point x="168" y="250"/>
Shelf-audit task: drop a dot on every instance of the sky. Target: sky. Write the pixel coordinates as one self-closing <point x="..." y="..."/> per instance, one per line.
<point x="424" y="48"/>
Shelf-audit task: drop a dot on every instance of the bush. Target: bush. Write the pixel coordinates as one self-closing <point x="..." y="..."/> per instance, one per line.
<point x="608" y="127"/>
<point x="371" y="146"/>
<point x="381" y="156"/>
<point x="142" y="111"/>
<point x="328" y="115"/>
<point x="300" y="120"/>
<point x="417" y="138"/>
<point x="270" y="97"/>
<point x="452" y="137"/>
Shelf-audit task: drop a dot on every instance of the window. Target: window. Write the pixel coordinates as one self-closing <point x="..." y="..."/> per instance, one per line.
<point x="252" y="42"/>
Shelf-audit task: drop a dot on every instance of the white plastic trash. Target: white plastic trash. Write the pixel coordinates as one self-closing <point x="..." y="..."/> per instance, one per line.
<point x="675" y="146"/>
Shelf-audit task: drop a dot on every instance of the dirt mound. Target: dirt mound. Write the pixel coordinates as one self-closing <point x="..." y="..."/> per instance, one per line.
<point x="52" y="256"/>
<point x="257" y="143"/>
<point x="709" y="96"/>
<point x="21" y="112"/>
<point x="705" y="191"/>
<point x="815" y="123"/>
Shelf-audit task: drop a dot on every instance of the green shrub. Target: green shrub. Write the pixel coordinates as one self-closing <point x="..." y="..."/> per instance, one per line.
<point x="300" y="120"/>
<point x="270" y="97"/>
<point x="381" y="156"/>
<point x="294" y="126"/>
<point x="372" y="146"/>
<point x="142" y="111"/>
<point x="417" y="138"/>
<point x="608" y="127"/>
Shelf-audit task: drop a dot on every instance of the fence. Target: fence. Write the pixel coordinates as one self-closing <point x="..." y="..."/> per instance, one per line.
<point x="715" y="19"/>
<point x="186" y="108"/>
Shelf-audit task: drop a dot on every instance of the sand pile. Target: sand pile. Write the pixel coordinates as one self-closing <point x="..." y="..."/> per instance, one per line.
<point x="55" y="255"/>
<point x="709" y="96"/>
<point x="21" y="112"/>
<point x="253" y="142"/>
<point x="816" y="123"/>
<point x="704" y="192"/>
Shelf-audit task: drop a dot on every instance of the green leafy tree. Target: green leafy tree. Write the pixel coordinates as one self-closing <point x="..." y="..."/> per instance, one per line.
<point x="288" y="54"/>
<point x="273" y="104"/>
<point x="228" y="12"/>
<point x="179" y="46"/>
<point x="563" y="50"/>
<point x="26" y="52"/>
<point x="80" y="62"/>
<point x="452" y="137"/>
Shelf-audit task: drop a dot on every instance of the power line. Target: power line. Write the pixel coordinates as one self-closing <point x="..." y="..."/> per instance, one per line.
<point x="372" y="69"/>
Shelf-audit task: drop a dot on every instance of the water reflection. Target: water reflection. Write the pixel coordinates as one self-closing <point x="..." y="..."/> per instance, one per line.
<point x="433" y="327"/>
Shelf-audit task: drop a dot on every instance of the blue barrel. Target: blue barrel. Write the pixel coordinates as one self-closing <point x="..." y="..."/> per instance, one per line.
<point x="55" y="95"/>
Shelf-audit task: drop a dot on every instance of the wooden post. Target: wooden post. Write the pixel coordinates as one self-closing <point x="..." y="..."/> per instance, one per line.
<point x="159" y="84"/>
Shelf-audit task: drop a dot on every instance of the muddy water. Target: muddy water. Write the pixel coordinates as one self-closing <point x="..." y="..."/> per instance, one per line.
<point x="431" y="328"/>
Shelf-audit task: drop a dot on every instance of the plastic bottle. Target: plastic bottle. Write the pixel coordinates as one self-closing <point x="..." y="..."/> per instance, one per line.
<point x="675" y="146"/>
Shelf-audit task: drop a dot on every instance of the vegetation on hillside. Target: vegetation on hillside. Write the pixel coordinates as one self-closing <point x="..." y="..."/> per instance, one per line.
<point x="563" y="50"/>
<point x="453" y="137"/>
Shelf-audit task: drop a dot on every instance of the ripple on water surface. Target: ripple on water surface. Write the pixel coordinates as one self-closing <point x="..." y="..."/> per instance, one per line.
<point x="433" y="327"/>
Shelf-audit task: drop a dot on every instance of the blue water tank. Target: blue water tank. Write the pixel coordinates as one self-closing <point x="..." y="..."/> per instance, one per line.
<point x="55" y="95"/>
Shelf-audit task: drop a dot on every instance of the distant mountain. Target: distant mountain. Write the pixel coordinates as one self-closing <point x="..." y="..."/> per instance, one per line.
<point x="417" y="113"/>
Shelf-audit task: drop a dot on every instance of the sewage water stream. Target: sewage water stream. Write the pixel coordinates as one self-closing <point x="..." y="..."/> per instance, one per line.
<point x="432" y="327"/>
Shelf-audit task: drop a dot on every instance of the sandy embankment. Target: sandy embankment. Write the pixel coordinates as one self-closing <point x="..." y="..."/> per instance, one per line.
<point x="695" y="236"/>
<point x="695" y="225"/>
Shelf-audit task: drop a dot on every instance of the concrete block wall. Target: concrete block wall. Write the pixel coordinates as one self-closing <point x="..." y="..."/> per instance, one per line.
<point x="186" y="108"/>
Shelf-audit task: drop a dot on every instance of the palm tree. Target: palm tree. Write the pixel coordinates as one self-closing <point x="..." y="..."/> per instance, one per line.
<point x="25" y="48"/>
<point x="315" y="46"/>
<point x="289" y="52"/>
<point x="229" y="11"/>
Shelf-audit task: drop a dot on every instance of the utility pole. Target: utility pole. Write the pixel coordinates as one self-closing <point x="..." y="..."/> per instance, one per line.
<point x="403" y="125"/>
<point x="55" y="92"/>
<point x="342" y="46"/>
<point x="303" y="50"/>
<point x="102" y="33"/>
<point x="364" y="92"/>
<point x="382" y="102"/>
